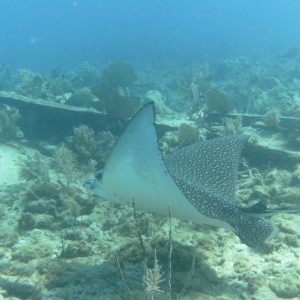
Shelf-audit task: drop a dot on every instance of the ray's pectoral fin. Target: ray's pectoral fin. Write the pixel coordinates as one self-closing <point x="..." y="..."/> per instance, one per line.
<point x="136" y="169"/>
<point x="254" y="231"/>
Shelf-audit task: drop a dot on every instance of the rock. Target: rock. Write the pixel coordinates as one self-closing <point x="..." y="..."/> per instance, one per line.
<point x="260" y="192"/>
<point x="287" y="227"/>
<point x="42" y="119"/>
<point x="76" y="249"/>
<point x="41" y="207"/>
<point x="44" y="221"/>
<point x="292" y="240"/>
<point x="158" y="99"/>
<point x="286" y="285"/>
<point x="267" y="146"/>
<point x="26" y="222"/>
<point x="20" y="288"/>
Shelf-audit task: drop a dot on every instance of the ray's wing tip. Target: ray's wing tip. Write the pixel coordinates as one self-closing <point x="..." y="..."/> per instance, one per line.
<point x="254" y="232"/>
<point x="149" y="104"/>
<point x="148" y="107"/>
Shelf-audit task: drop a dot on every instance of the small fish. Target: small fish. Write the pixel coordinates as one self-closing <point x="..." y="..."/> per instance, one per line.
<point x="197" y="182"/>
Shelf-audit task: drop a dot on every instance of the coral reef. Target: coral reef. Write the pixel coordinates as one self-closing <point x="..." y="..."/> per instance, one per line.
<point x="194" y="83"/>
<point x="58" y="83"/>
<point x="67" y="167"/>
<point x="37" y="86"/>
<point x="105" y="143"/>
<point x="82" y="97"/>
<point x="51" y="198"/>
<point x="75" y="249"/>
<point x="84" y="144"/>
<point x="118" y="74"/>
<point x="90" y="146"/>
<point x="20" y="289"/>
<point x="113" y="91"/>
<point x="233" y="126"/>
<point x="65" y="162"/>
<point x="158" y="99"/>
<point x="121" y="104"/>
<point x="187" y="135"/>
<point x="31" y="84"/>
<point x="35" y="168"/>
<point x="57" y="238"/>
<point x="87" y="76"/>
<point x="217" y="101"/>
<point x="271" y="118"/>
<point x="188" y="88"/>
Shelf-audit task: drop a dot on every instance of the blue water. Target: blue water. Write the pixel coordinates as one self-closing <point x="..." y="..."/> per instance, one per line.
<point x="43" y="34"/>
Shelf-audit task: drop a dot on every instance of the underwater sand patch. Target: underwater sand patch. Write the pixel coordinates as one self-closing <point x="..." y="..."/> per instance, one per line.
<point x="10" y="158"/>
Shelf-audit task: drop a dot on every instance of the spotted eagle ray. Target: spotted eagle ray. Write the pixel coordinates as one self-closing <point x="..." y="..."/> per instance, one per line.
<point x="196" y="182"/>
